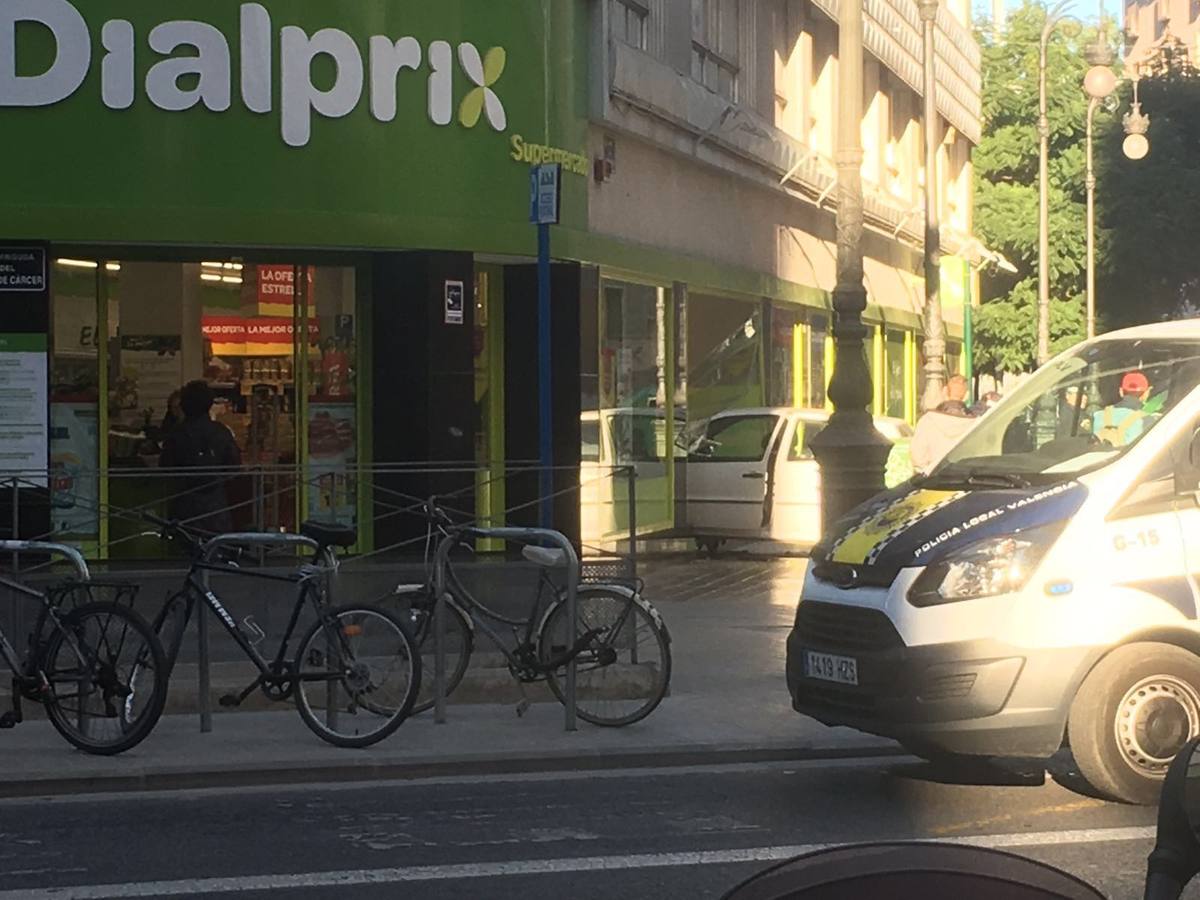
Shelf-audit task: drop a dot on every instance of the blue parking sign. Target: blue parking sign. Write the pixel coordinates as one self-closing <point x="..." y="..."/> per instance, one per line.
<point x="545" y="194"/>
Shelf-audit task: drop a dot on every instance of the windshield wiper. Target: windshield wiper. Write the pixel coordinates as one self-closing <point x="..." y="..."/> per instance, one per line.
<point x="980" y="478"/>
<point x="988" y="479"/>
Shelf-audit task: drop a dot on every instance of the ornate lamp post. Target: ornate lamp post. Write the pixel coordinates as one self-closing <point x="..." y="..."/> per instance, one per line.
<point x="1136" y="123"/>
<point x="851" y="453"/>
<point x="935" y="327"/>
<point x="1099" y="83"/>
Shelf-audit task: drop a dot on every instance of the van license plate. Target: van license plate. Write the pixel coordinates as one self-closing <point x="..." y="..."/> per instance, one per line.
<point x="827" y="667"/>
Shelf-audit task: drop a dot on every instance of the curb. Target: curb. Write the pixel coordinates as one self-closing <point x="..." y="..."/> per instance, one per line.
<point x="163" y="779"/>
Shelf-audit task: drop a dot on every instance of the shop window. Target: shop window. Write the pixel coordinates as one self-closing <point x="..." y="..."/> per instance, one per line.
<point x="725" y="355"/>
<point x="76" y="341"/>
<point x="818" y="332"/>
<point x="276" y="345"/>
<point x="631" y="396"/>
<point x="894" y="358"/>
<point x="784" y="361"/>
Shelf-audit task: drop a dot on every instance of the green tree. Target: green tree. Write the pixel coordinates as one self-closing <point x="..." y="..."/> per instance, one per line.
<point x="1148" y="208"/>
<point x="1006" y="188"/>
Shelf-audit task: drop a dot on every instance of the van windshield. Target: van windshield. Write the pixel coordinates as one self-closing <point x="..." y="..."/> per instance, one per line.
<point x="1076" y="414"/>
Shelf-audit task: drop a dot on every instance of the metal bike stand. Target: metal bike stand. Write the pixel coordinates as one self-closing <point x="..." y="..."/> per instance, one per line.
<point x="73" y="556"/>
<point x="204" y="664"/>
<point x="518" y="535"/>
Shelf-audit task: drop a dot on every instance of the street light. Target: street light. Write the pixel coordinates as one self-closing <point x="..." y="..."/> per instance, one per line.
<point x="934" y="326"/>
<point x="1053" y="17"/>
<point x="1136" y="123"/>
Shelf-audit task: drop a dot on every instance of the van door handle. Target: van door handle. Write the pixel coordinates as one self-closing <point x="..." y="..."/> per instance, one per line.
<point x="758" y="475"/>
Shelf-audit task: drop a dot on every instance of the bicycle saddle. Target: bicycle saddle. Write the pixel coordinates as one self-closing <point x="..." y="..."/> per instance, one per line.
<point x="544" y="556"/>
<point x="330" y="535"/>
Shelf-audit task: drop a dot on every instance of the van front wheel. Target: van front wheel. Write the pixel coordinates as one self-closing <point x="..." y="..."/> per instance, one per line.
<point x="1132" y="714"/>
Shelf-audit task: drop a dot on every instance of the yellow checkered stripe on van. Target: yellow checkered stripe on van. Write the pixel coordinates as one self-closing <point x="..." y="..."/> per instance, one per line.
<point x="864" y="543"/>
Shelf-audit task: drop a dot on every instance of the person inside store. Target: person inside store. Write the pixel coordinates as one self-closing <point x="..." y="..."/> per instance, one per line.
<point x="200" y="500"/>
<point x="174" y="416"/>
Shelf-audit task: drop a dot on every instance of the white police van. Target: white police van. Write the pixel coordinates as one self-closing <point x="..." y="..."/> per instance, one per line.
<point x="1039" y="588"/>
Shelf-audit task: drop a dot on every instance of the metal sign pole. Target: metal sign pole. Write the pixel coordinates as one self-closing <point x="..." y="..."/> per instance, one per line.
<point x="545" y="200"/>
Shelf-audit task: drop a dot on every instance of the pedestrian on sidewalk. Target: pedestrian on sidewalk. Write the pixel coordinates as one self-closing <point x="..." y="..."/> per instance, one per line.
<point x="941" y="428"/>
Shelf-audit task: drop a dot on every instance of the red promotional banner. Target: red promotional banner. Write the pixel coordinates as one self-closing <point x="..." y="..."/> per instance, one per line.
<point x="258" y="336"/>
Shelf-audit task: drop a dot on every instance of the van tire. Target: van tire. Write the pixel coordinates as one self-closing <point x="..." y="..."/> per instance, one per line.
<point x="1129" y="717"/>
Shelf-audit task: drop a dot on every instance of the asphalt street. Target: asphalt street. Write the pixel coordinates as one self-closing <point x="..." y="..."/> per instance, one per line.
<point x="662" y="833"/>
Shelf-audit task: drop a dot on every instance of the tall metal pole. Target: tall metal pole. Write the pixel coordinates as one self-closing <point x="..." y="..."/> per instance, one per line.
<point x="851" y="453"/>
<point x="545" y="396"/>
<point x="1043" y="333"/>
<point x="1090" y="183"/>
<point x="935" y="327"/>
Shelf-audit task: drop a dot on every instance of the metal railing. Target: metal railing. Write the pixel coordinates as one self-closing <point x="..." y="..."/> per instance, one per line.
<point x="616" y="555"/>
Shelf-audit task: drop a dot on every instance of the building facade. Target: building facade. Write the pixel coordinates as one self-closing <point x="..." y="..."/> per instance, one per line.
<point x="324" y="213"/>
<point x="1151" y="23"/>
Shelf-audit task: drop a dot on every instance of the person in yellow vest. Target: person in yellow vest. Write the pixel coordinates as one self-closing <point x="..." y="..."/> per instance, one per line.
<point x="1123" y="422"/>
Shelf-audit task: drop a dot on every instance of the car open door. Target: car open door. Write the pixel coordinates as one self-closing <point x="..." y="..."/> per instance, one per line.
<point x="795" y="489"/>
<point x="727" y="474"/>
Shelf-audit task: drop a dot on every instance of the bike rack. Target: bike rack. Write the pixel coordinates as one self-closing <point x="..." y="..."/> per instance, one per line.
<point x="518" y="535"/>
<point x="73" y="556"/>
<point x="204" y="665"/>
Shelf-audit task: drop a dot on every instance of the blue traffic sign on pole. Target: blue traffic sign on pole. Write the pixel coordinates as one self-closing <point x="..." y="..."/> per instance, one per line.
<point x="545" y="193"/>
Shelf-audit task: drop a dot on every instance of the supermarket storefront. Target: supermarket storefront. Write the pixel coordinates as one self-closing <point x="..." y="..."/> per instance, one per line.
<point x="320" y="210"/>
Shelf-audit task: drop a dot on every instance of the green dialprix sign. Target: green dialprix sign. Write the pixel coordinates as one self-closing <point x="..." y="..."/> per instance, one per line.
<point x="359" y="123"/>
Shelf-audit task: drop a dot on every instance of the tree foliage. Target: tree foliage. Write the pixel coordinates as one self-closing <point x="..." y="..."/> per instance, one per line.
<point x="1149" y="209"/>
<point x="1006" y="188"/>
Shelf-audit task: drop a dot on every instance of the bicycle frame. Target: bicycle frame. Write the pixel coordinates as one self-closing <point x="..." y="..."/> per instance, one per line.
<point x="482" y="615"/>
<point x="196" y="589"/>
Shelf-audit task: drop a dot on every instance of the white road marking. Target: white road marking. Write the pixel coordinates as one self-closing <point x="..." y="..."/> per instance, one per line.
<point x="786" y="767"/>
<point x="527" y="867"/>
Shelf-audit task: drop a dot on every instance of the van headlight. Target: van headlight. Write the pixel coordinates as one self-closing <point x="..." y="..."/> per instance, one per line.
<point x="997" y="565"/>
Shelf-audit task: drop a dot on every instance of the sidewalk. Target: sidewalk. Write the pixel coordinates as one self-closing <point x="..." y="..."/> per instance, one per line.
<point x="728" y="621"/>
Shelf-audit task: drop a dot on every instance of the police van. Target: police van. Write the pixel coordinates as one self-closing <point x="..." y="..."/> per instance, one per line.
<point x="1037" y="589"/>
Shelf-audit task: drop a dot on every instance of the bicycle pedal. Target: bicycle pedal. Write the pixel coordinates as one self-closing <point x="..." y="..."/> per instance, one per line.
<point x="522" y="708"/>
<point x="230" y="700"/>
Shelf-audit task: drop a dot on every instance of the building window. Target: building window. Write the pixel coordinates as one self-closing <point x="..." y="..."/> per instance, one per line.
<point x="715" y="34"/>
<point x="628" y="21"/>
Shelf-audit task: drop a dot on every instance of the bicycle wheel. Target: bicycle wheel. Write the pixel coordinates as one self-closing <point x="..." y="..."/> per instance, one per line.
<point x="415" y="608"/>
<point x="624" y="668"/>
<point x="358" y="673"/>
<point x="107" y="678"/>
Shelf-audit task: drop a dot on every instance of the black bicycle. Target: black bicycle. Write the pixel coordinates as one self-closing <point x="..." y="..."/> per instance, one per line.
<point x="96" y="666"/>
<point x="621" y="646"/>
<point x="356" y="671"/>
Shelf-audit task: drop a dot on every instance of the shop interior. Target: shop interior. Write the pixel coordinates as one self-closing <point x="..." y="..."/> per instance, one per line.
<point x="277" y="345"/>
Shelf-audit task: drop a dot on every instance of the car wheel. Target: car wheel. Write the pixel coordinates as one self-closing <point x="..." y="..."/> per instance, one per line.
<point x="1131" y="716"/>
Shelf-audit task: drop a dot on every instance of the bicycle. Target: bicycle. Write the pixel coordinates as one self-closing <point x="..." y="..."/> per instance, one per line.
<point x="362" y="656"/>
<point x="621" y="647"/>
<point x="97" y="668"/>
